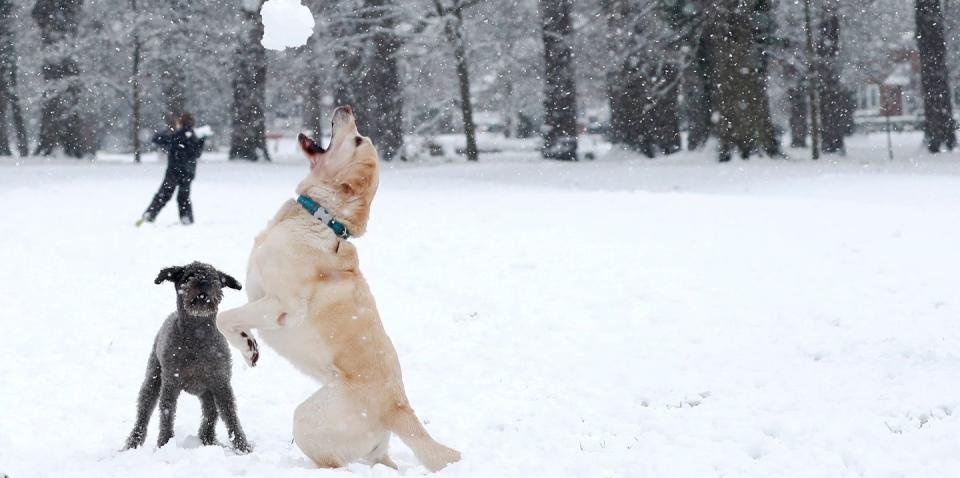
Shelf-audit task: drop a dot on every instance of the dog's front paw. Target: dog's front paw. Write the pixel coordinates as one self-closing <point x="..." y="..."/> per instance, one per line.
<point x="207" y="439"/>
<point x="135" y="440"/>
<point x="242" y="447"/>
<point x="252" y="353"/>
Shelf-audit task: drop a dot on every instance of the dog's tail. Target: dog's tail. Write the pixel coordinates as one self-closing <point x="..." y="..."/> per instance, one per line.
<point x="405" y="424"/>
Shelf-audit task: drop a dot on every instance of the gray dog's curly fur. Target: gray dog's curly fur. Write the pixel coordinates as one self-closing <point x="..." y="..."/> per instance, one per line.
<point x="189" y="354"/>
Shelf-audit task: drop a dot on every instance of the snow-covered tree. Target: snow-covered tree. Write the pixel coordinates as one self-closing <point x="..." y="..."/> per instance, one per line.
<point x="728" y="46"/>
<point x="643" y="78"/>
<point x="63" y="122"/>
<point x="738" y="32"/>
<point x="505" y="53"/>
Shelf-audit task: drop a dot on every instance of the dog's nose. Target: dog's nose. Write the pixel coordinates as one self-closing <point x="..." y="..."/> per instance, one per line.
<point x="346" y="109"/>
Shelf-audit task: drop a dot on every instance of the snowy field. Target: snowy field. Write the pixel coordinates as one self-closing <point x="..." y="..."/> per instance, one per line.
<point x="615" y="318"/>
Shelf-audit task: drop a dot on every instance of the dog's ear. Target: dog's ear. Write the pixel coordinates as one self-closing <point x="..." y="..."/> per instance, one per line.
<point x="356" y="178"/>
<point x="171" y="274"/>
<point x="311" y="149"/>
<point x="230" y="282"/>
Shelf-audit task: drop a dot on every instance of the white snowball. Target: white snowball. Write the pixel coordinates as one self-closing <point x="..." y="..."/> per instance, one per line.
<point x="286" y="24"/>
<point x="204" y="131"/>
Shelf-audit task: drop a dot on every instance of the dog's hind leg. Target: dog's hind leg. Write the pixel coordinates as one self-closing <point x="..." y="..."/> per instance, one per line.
<point x="168" y="411"/>
<point x="208" y="424"/>
<point x="146" y="401"/>
<point x="228" y="410"/>
<point x="335" y="426"/>
<point x="235" y="324"/>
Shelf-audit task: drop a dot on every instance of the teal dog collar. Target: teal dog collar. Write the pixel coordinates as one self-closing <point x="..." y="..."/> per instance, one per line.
<point x="324" y="216"/>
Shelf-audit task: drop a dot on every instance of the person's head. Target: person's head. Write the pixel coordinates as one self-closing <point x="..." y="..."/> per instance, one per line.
<point x="185" y="121"/>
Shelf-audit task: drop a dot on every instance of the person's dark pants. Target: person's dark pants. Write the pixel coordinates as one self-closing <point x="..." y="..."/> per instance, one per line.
<point x="173" y="179"/>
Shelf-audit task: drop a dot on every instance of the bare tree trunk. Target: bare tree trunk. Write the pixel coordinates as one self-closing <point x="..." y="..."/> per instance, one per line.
<point x="135" y="105"/>
<point x="316" y="78"/>
<point x="347" y="84"/>
<point x="61" y="122"/>
<point x="667" y="110"/>
<point x="452" y="18"/>
<point x="173" y="80"/>
<point x="8" y="80"/>
<point x="7" y="64"/>
<point x="625" y="83"/>
<point x="369" y="76"/>
<point x="812" y="71"/>
<point x="688" y="19"/>
<point x="797" y="99"/>
<point x="382" y="102"/>
<point x="248" y="136"/>
<point x="173" y="90"/>
<point x="617" y="40"/>
<point x="313" y="114"/>
<point x="764" y="36"/>
<point x="455" y="31"/>
<point x="698" y="86"/>
<point x="938" y="126"/>
<point x="560" y="95"/>
<point x="19" y="125"/>
<point x="833" y="97"/>
<point x="4" y="139"/>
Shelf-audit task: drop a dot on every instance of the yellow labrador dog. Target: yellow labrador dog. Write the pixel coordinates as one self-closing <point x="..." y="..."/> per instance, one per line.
<point x="310" y="303"/>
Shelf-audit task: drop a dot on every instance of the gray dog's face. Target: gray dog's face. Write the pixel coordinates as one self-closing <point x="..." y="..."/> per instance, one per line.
<point x="199" y="287"/>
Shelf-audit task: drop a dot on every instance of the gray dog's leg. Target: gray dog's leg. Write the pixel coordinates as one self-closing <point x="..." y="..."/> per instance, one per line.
<point x="208" y="425"/>
<point x="169" y="392"/>
<point x="228" y="411"/>
<point x="146" y="401"/>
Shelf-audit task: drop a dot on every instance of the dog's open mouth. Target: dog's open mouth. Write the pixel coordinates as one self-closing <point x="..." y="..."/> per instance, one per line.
<point x="202" y="303"/>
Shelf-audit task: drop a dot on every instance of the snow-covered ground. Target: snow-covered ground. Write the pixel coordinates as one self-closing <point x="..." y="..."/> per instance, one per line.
<point x="615" y="318"/>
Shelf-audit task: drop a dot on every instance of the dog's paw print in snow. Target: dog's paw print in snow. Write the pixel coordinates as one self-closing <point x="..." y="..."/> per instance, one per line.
<point x="687" y="401"/>
<point x="697" y="399"/>
<point x="755" y="450"/>
<point x="918" y="420"/>
<point x="817" y="352"/>
<point x="466" y="318"/>
<point x="601" y="442"/>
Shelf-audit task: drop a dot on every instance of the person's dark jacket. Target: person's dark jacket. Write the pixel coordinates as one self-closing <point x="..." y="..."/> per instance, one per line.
<point x="183" y="149"/>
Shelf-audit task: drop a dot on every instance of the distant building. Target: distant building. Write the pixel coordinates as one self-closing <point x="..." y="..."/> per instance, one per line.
<point x="895" y="89"/>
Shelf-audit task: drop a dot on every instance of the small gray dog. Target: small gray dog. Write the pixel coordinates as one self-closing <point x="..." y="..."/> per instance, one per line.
<point x="190" y="354"/>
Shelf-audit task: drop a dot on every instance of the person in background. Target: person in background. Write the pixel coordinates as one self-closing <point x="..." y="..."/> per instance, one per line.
<point x="183" y="148"/>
